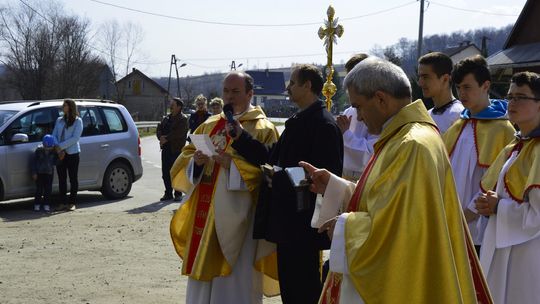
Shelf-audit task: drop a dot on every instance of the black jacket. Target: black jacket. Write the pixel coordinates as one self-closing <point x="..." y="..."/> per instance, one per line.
<point x="312" y="136"/>
<point x="176" y="129"/>
<point x="44" y="161"/>
<point x="196" y="119"/>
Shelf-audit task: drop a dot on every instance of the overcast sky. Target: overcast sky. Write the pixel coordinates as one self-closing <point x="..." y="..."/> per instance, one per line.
<point x="207" y="47"/>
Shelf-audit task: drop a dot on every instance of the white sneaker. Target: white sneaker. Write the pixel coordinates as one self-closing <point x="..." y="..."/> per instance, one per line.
<point x="46" y="208"/>
<point x="36" y="207"/>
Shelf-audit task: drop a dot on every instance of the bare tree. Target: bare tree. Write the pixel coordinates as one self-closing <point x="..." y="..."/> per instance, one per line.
<point x="109" y="41"/>
<point x="133" y="35"/>
<point x="30" y="47"/>
<point x="120" y="44"/>
<point x="46" y="51"/>
<point x="76" y="64"/>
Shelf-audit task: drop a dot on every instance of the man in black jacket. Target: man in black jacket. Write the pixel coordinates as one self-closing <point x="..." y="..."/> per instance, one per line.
<point x="311" y="134"/>
<point x="172" y="133"/>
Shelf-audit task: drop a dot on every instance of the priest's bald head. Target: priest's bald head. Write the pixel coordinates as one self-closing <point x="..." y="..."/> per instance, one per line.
<point x="378" y="89"/>
<point x="238" y="90"/>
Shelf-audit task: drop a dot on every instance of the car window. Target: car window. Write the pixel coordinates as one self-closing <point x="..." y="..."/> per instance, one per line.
<point x="5" y="116"/>
<point x="115" y="120"/>
<point x="34" y="124"/>
<point x="92" y="121"/>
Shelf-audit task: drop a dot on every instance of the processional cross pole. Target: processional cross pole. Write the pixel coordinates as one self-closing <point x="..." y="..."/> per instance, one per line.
<point x="329" y="34"/>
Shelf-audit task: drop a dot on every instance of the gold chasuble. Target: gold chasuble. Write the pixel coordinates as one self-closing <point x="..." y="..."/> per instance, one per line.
<point x="522" y="175"/>
<point x="405" y="239"/>
<point x="490" y="137"/>
<point x="209" y="251"/>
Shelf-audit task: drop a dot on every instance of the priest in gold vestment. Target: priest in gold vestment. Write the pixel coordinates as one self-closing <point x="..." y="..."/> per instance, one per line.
<point x="212" y="229"/>
<point x="402" y="236"/>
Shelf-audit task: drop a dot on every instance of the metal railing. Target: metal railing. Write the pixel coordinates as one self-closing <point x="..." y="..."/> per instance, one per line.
<point x="146" y="124"/>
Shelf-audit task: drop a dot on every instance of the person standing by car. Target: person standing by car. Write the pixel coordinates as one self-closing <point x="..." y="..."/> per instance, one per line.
<point x="68" y="130"/>
<point x="43" y="163"/>
<point x="172" y="133"/>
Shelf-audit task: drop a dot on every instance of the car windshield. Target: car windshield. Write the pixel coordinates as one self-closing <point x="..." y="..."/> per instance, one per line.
<point x="5" y="115"/>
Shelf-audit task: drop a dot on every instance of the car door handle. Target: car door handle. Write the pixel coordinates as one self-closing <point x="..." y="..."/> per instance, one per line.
<point x="105" y="146"/>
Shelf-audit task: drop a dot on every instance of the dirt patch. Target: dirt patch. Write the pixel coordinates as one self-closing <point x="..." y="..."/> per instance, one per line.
<point x="89" y="256"/>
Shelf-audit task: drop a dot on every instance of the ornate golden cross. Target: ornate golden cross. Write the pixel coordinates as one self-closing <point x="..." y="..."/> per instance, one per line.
<point x="329" y="33"/>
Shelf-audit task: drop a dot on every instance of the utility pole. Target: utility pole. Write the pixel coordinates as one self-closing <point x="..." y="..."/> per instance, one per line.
<point x="484" y="49"/>
<point x="178" y="93"/>
<point x="420" y="30"/>
<point x="173" y="62"/>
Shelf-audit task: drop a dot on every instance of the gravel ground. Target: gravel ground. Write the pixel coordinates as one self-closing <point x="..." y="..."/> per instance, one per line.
<point x="91" y="255"/>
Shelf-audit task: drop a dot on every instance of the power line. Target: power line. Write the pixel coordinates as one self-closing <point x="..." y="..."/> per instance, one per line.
<point x="268" y="57"/>
<point x="89" y="45"/>
<point x="245" y="24"/>
<point x="471" y="10"/>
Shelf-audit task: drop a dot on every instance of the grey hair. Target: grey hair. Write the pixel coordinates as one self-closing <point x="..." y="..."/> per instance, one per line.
<point x="375" y="74"/>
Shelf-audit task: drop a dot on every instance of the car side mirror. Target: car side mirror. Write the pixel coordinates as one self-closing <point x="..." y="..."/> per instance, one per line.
<point x="19" y="138"/>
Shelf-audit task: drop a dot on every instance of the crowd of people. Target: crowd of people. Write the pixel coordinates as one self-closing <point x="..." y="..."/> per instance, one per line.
<point x="414" y="205"/>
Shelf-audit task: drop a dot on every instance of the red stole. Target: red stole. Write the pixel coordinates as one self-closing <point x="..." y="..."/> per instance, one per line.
<point x="206" y="190"/>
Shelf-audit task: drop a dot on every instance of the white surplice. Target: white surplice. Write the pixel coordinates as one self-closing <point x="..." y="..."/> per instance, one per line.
<point x="341" y="190"/>
<point x="448" y="117"/>
<point x="234" y="214"/>
<point x="467" y="175"/>
<point x="357" y="146"/>
<point x="511" y="248"/>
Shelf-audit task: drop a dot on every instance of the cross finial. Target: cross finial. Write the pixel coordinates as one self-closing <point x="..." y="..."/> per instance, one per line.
<point x="329" y="33"/>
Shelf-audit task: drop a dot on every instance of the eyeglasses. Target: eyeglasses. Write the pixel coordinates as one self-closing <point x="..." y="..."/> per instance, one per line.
<point x="520" y="98"/>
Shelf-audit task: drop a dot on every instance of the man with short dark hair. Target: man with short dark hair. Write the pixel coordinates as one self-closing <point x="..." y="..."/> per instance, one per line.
<point x="476" y="138"/>
<point x="434" y="77"/>
<point x="311" y="134"/>
<point x="212" y="231"/>
<point x="172" y="133"/>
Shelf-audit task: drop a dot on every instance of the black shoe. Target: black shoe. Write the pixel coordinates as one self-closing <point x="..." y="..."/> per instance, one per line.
<point x="166" y="197"/>
<point x="178" y="197"/>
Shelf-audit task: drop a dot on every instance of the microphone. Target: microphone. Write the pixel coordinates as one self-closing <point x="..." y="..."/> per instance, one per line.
<point x="228" y="110"/>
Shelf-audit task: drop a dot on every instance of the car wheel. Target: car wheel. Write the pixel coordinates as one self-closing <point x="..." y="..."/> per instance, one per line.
<point x="117" y="181"/>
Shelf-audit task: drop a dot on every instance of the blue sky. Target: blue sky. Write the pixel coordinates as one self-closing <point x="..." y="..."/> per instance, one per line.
<point x="210" y="47"/>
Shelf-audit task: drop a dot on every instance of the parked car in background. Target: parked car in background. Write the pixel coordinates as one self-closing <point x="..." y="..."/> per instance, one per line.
<point x="110" y="159"/>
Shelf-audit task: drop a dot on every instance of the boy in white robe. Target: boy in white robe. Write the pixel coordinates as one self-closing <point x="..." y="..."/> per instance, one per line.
<point x="511" y="244"/>
<point x="474" y="141"/>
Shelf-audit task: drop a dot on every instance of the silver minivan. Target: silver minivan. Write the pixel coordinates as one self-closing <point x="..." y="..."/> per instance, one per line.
<point x="110" y="159"/>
